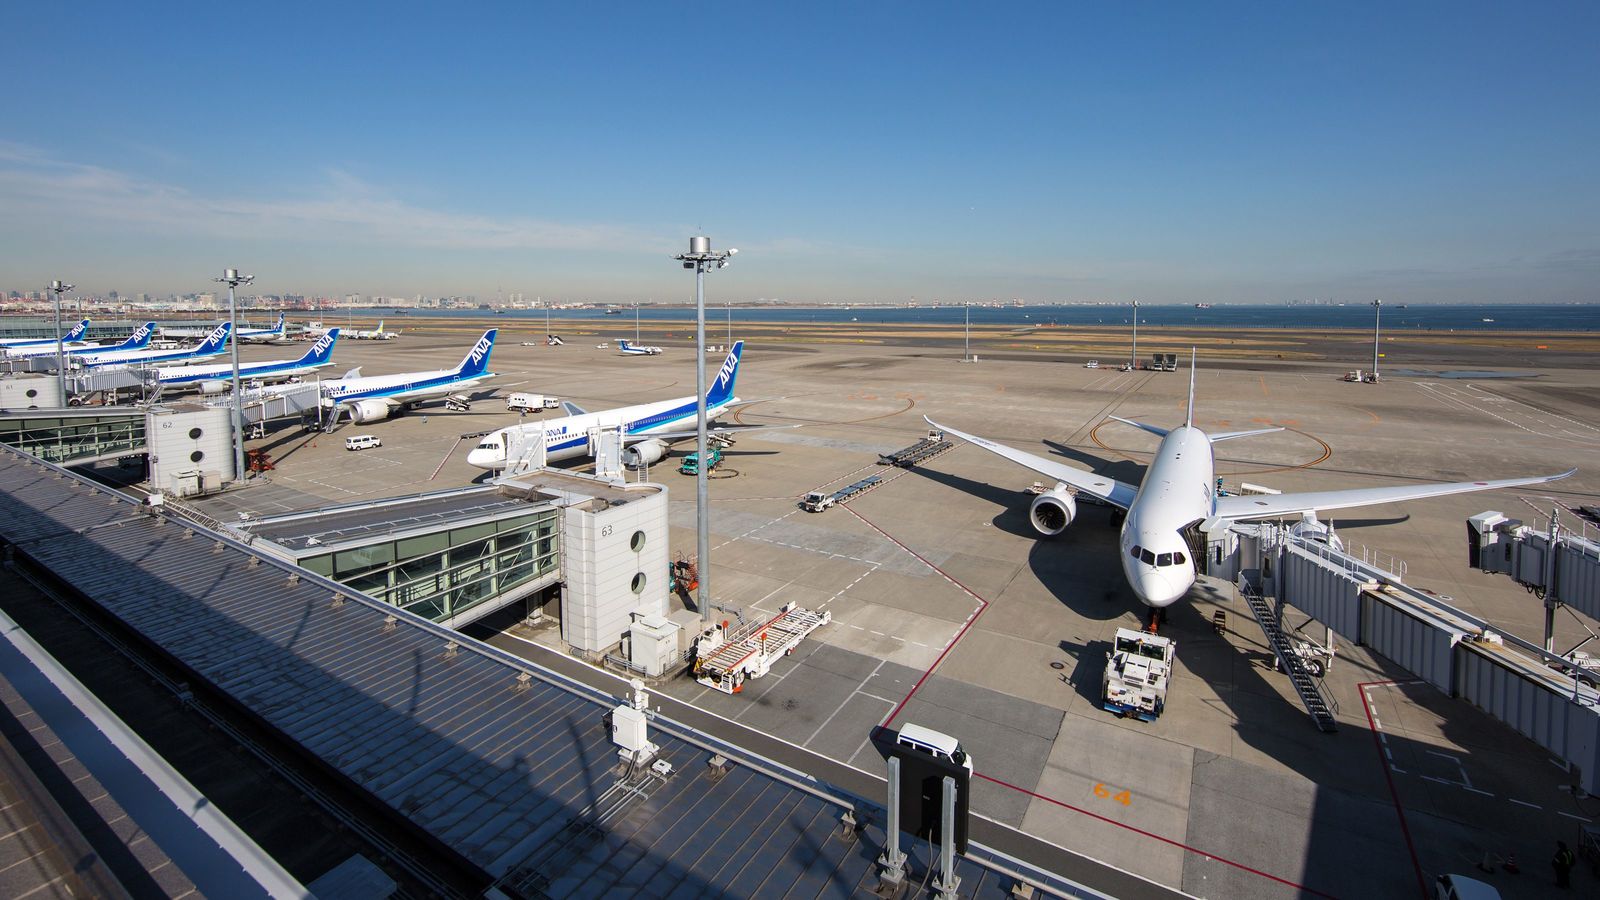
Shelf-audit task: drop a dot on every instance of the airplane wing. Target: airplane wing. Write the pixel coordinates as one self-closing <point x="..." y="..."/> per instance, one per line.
<point x="710" y="429"/>
<point x="573" y="409"/>
<point x="1108" y="489"/>
<point x="1254" y="507"/>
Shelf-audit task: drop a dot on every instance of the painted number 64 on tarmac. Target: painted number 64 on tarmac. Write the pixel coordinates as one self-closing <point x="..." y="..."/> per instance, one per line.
<point x="1123" y="797"/>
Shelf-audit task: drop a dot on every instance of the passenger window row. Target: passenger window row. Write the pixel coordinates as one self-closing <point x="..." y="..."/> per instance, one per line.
<point x="1160" y="560"/>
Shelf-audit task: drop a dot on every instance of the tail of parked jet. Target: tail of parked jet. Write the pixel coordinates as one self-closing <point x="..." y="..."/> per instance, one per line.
<point x="278" y="328"/>
<point x="77" y="331"/>
<point x="216" y="340"/>
<point x="476" y="362"/>
<point x="1188" y="421"/>
<point x="140" y="338"/>
<point x="322" y="351"/>
<point x="721" y="390"/>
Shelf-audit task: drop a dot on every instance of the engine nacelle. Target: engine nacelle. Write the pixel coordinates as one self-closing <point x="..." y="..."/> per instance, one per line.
<point x="644" y="453"/>
<point x="213" y="387"/>
<point x="1053" y="511"/>
<point x="364" y="411"/>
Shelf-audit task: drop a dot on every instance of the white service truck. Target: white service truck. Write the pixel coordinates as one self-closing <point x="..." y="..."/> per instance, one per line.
<point x="530" y="402"/>
<point x="1137" y="674"/>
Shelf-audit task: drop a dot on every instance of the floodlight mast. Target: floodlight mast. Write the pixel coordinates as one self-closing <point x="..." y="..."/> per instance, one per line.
<point x="1377" y="320"/>
<point x="233" y="279"/>
<point x="700" y="258"/>
<point x="59" y="287"/>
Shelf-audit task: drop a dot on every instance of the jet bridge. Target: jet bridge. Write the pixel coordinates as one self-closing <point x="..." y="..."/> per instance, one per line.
<point x="1539" y="694"/>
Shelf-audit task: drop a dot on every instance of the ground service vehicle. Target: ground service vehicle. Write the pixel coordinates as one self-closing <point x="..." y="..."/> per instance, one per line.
<point x="530" y="402"/>
<point x="1136" y="676"/>
<point x="691" y="462"/>
<point x="362" y="442"/>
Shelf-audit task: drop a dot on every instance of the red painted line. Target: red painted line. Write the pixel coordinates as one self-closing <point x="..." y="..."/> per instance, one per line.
<point x="984" y="604"/>
<point x="445" y="460"/>
<point x="1165" y="840"/>
<point x="1422" y="883"/>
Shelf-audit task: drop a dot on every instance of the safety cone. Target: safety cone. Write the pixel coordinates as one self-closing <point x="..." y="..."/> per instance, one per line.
<point x="1510" y="865"/>
<point x="1487" y="863"/>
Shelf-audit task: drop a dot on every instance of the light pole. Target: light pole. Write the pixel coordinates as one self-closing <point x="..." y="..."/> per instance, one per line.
<point x="700" y="258"/>
<point x="1133" y="355"/>
<point x="58" y="288"/>
<point x="233" y="279"/>
<point x="1377" y="319"/>
<point x="966" y="349"/>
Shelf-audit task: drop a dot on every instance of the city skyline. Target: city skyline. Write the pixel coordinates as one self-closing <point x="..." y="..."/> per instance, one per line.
<point x="1227" y="154"/>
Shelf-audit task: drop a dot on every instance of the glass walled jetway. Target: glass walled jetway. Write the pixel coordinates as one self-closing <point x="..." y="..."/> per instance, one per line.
<point x="450" y="556"/>
<point x="446" y="573"/>
<point x="70" y="435"/>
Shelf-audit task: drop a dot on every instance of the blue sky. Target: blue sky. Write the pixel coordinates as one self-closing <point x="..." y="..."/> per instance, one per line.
<point x="1169" y="152"/>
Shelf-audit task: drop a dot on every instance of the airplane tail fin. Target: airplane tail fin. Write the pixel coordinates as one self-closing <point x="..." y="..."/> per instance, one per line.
<point x="322" y="351"/>
<point x="278" y="329"/>
<point x="77" y="331"/>
<point x="1188" y="421"/>
<point x="476" y="362"/>
<point x="140" y="338"/>
<point x="216" y="340"/>
<point x="721" y="390"/>
<point x="379" y="329"/>
<point x="623" y="345"/>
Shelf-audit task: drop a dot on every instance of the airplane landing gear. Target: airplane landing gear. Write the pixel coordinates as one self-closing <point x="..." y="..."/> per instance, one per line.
<point x="1154" y="618"/>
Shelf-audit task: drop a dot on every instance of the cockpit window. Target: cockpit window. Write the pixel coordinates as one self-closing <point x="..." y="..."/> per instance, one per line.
<point x="1134" y="552"/>
<point x="1178" y="559"/>
<point x="488" y="445"/>
<point x="1146" y="557"/>
<point x="1164" y="559"/>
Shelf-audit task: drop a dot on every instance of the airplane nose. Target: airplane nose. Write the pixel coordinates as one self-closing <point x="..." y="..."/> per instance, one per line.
<point x="1156" y="589"/>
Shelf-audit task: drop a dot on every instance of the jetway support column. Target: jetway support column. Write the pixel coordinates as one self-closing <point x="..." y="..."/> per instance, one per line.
<point x="947" y="884"/>
<point x="892" y="864"/>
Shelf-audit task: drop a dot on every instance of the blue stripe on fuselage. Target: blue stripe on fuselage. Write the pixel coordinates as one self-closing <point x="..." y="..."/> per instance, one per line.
<point x="380" y="393"/>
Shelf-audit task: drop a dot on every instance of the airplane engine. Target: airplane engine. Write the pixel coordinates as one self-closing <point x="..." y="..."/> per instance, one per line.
<point x="1310" y="528"/>
<point x="213" y="387"/>
<point x="644" y="453"/>
<point x="1053" y="511"/>
<point x="364" y="411"/>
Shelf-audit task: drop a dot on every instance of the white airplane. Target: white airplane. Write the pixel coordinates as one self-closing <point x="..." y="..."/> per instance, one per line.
<point x="215" y="379"/>
<point x="376" y="397"/>
<point x="271" y="335"/>
<point x="553" y="341"/>
<point x="73" y="338"/>
<point x="377" y="334"/>
<point x="649" y="429"/>
<point x="1179" y="492"/>
<point x="631" y="349"/>
<point x="138" y="340"/>
<point x="215" y="344"/>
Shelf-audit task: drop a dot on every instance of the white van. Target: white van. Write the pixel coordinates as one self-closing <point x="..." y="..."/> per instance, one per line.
<point x="933" y="743"/>
<point x="362" y="442"/>
<point x="530" y="402"/>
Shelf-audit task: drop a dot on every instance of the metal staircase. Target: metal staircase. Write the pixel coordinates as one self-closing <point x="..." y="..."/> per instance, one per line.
<point x="1321" y="707"/>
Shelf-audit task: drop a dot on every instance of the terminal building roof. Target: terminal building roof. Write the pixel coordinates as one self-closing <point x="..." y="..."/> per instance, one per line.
<point x="507" y="765"/>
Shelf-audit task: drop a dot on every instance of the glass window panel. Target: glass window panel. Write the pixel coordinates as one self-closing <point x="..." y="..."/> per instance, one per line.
<point x="422" y="546"/>
<point x="363" y="557"/>
<point x="322" y="565"/>
<point x="460" y="536"/>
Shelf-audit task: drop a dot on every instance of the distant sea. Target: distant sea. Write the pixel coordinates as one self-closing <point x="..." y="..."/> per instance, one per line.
<point x="1425" y="317"/>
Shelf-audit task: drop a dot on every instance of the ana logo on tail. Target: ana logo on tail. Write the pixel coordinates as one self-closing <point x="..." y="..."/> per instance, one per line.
<point x="324" y="343"/>
<point x="142" y="333"/>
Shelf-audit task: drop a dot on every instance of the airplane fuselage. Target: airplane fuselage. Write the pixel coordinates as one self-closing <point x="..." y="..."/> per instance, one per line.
<point x="1178" y="490"/>
<point x="568" y="436"/>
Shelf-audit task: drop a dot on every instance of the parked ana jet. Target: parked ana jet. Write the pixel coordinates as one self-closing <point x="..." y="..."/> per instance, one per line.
<point x="631" y="349"/>
<point x="139" y="340"/>
<point x="1178" y="493"/>
<point x="376" y="397"/>
<point x="271" y="335"/>
<point x="649" y="429"/>
<point x="376" y="334"/>
<point x="215" y="379"/>
<point x="73" y="338"/>
<point x="214" y="345"/>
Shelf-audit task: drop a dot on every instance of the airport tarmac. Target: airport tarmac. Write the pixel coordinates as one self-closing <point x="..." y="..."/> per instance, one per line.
<point x="949" y="612"/>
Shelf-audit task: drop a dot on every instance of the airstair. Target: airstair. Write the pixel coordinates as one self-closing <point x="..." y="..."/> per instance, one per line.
<point x="725" y="660"/>
<point x="1322" y="707"/>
